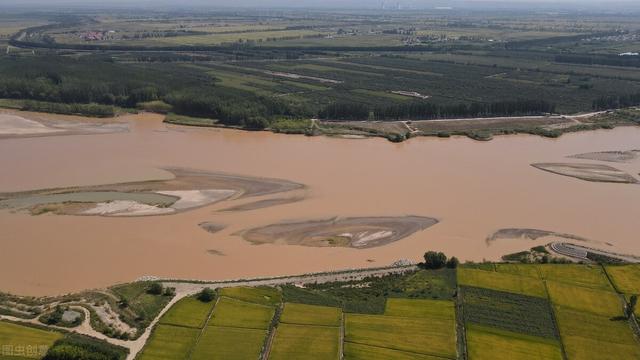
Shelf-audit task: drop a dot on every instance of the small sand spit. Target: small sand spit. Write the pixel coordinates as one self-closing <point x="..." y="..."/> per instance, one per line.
<point x="189" y="199"/>
<point x="588" y="172"/>
<point x="610" y="156"/>
<point x="16" y="125"/>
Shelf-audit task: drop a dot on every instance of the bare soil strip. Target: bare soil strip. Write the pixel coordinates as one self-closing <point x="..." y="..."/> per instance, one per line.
<point x="359" y="233"/>
<point x="261" y="204"/>
<point x="610" y="156"/>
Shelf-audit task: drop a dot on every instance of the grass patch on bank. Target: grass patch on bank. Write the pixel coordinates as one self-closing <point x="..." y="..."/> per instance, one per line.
<point x="15" y="338"/>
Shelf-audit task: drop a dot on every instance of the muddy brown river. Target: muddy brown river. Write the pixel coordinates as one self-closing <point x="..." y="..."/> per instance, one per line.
<point x="472" y="188"/>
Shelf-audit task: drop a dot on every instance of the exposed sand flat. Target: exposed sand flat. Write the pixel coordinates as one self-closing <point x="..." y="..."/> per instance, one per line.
<point x="127" y="208"/>
<point x="611" y="156"/>
<point x="30" y="124"/>
<point x="189" y="199"/>
<point x="530" y="234"/>
<point x="16" y="125"/>
<point x="360" y="233"/>
<point x="588" y="172"/>
<point x="261" y="204"/>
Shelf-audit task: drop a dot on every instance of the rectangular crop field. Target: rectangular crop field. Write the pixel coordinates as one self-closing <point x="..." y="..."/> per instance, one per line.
<point x="237" y="313"/>
<point x="14" y="340"/>
<point x="605" y="303"/>
<point x="584" y="275"/>
<point x="433" y="336"/>
<point x="519" y="269"/>
<point x="170" y="343"/>
<point x="489" y="343"/>
<point x="420" y="308"/>
<point x="306" y="342"/>
<point x="626" y="278"/>
<point x="259" y="295"/>
<point x="311" y="315"/>
<point x="528" y="315"/>
<point x="587" y="336"/>
<point x="353" y="351"/>
<point x="189" y="312"/>
<point x="223" y="343"/>
<point x="502" y="282"/>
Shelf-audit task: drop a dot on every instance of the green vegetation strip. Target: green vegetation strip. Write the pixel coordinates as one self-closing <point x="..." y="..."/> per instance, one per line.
<point x="420" y="308"/>
<point x="605" y="303"/>
<point x="189" y="312"/>
<point x="486" y="343"/>
<point x="508" y="311"/>
<point x="501" y="282"/>
<point x="170" y="343"/>
<point x="260" y="295"/>
<point x="353" y="351"/>
<point x="311" y="315"/>
<point x="583" y="275"/>
<point x="224" y="343"/>
<point x="22" y="342"/>
<point x="429" y="336"/>
<point x="306" y="342"/>
<point x="237" y="313"/>
<point x="625" y="277"/>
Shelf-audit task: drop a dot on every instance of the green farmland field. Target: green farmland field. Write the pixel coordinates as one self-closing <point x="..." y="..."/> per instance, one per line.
<point x="354" y="351"/>
<point x="236" y="313"/>
<point x="170" y="343"/>
<point x="593" y="301"/>
<point x="311" y="315"/>
<point x="486" y="343"/>
<point x="420" y="308"/>
<point x="306" y="342"/>
<point x="189" y="312"/>
<point x="433" y="336"/>
<point x="584" y="275"/>
<point x="259" y="295"/>
<point x="501" y="282"/>
<point x="626" y="278"/>
<point x="519" y="269"/>
<point x="16" y="337"/>
<point x="587" y="336"/>
<point x="223" y="343"/>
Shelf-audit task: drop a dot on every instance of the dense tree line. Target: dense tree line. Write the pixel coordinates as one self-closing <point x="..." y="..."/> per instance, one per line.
<point x="426" y="110"/>
<point x="78" y="347"/>
<point x="616" y="101"/>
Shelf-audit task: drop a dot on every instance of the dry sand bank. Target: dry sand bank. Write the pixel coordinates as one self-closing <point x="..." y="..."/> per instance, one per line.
<point x="359" y="233"/>
<point x="588" y="172"/>
<point x="29" y="124"/>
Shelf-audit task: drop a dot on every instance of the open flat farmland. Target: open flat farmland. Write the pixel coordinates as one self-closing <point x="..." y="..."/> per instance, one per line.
<point x="237" y="313"/>
<point x="530" y="270"/>
<point x="258" y="295"/>
<point x="432" y="336"/>
<point x="170" y="342"/>
<point x="353" y="351"/>
<point x="593" y="337"/>
<point x="306" y="342"/>
<point x="604" y="303"/>
<point x="486" y="343"/>
<point x="501" y="282"/>
<point x="583" y="275"/>
<point x="420" y="308"/>
<point x="225" y="343"/>
<point x="189" y="312"/>
<point x="311" y="315"/>
<point x="14" y="340"/>
<point x="626" y="278"/>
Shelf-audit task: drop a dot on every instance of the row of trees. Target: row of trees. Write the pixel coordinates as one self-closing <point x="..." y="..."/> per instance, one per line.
<point x="423" y="110"/>
<point x="616" y="101"/>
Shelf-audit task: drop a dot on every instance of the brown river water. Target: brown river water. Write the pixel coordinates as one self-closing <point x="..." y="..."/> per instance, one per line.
<point x="473" y="188"/>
